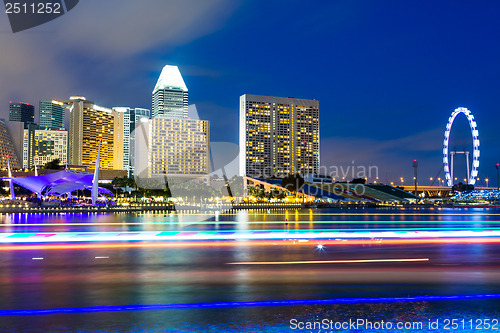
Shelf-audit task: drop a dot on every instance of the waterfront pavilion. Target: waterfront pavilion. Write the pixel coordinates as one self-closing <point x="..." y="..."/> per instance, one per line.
<point x="59" y="183"/>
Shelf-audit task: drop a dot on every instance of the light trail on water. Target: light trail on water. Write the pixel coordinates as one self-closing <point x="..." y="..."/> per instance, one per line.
<point x="248" y="235"/>
<point x="307" y="262"/>
<point x="243" y="243"/>
<point x="261" y="303"/>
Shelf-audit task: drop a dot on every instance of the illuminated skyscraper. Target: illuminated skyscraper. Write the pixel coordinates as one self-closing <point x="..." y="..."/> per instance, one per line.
<point x="131" y="116"/>
<point x="89" y="124"/>
<point x="278" y="136"/>
<point x="42" y="146"/>
<point x="178" y="147"/>
<point x="22" y="112"/>
<point x="51" y="114"/>
<point x="170" y="95"/>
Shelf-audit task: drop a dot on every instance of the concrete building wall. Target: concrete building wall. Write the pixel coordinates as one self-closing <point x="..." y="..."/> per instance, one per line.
<point x="7" y="148"/>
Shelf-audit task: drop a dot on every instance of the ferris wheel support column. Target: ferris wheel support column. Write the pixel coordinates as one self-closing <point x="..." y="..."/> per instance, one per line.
<point x="452" y="154"/>
<point x="468" y="175"/>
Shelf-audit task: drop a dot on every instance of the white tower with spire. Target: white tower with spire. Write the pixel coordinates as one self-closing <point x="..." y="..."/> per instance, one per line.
<point x="170" y="95"/>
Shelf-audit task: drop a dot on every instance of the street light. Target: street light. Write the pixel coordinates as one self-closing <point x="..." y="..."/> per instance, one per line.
<point x="415" y="166"/>
<point x="498" y="176"/>
<point x="487" y="180"/>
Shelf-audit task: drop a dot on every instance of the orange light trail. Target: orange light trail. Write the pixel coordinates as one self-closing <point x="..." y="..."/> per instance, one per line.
<point x="324" y="261"/>
<point x="247" y="243"/>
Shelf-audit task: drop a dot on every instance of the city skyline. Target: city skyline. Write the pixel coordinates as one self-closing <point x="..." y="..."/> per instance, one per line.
<point x="249" y="166"/>
<point x="365" y="87"/>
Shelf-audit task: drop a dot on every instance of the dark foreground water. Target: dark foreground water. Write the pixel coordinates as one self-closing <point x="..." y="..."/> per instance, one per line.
<point x="418" y="315"/>
<point x="130" y="288"/>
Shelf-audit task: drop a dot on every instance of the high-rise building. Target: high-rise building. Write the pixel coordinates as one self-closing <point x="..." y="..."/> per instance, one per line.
<point x="22" y="112"/>
<point x="122" y="120"/>
<point x="89" y="125"/>
<point x="278" y="136"/>
<point x="16" y="133"/>
<point x="178" y="147"/>
<point x="170" y="95"/>
<point x="51" y="114"/>
<point x="130" y="116"/>
<point x="28" y="147"/>
<point x="42" y="146"/>
<point x="7" y="148"/>
<point x="136" y="115"/>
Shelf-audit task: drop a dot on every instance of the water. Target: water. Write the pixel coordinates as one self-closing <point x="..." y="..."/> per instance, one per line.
<point x="193" y="278"/>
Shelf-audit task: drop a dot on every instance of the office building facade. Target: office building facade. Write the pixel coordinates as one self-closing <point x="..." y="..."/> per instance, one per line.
<point x="22" y="112"/>
<point x="170" y="95"/>
<point x="89" y="125"/>
<point x="178" y="147"/>
<point x="41" y="146"/>
<point x="278" y="136"/>
<point x="129" y="118"/>
<point x="51" y="114"/>
<point x="136" y="114"/>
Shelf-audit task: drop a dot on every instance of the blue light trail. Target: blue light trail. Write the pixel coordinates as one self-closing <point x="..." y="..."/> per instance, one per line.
<point x="136" y="307"/>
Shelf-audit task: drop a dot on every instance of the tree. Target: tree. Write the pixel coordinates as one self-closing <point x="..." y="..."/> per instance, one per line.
<point x="358" y="181"/>
<point x="236" y="185"/>
<point x="52" y="165"/>
<point x="292" y="183"/>
<point x="123" y="182"/>
<point x="281" y="195"/>
<point x="461" y="187"/>
<point x="257" y="191"/>
<point x="3" y="191"/>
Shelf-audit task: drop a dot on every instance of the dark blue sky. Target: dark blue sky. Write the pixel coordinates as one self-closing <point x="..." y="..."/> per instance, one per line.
<point x="387" y="73"/>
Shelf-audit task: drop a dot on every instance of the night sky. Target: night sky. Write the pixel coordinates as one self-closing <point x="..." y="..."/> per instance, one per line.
<point x="387" y="74"/>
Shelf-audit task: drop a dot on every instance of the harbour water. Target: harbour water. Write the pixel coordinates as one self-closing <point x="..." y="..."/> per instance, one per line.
<point x="224" y="286"/>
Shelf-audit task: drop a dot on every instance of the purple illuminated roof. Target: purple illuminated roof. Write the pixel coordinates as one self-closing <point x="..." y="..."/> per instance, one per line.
<point x="58" y="183"/>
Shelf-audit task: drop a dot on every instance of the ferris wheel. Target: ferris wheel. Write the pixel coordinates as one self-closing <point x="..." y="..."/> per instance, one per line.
<point x="448" y="167"/>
